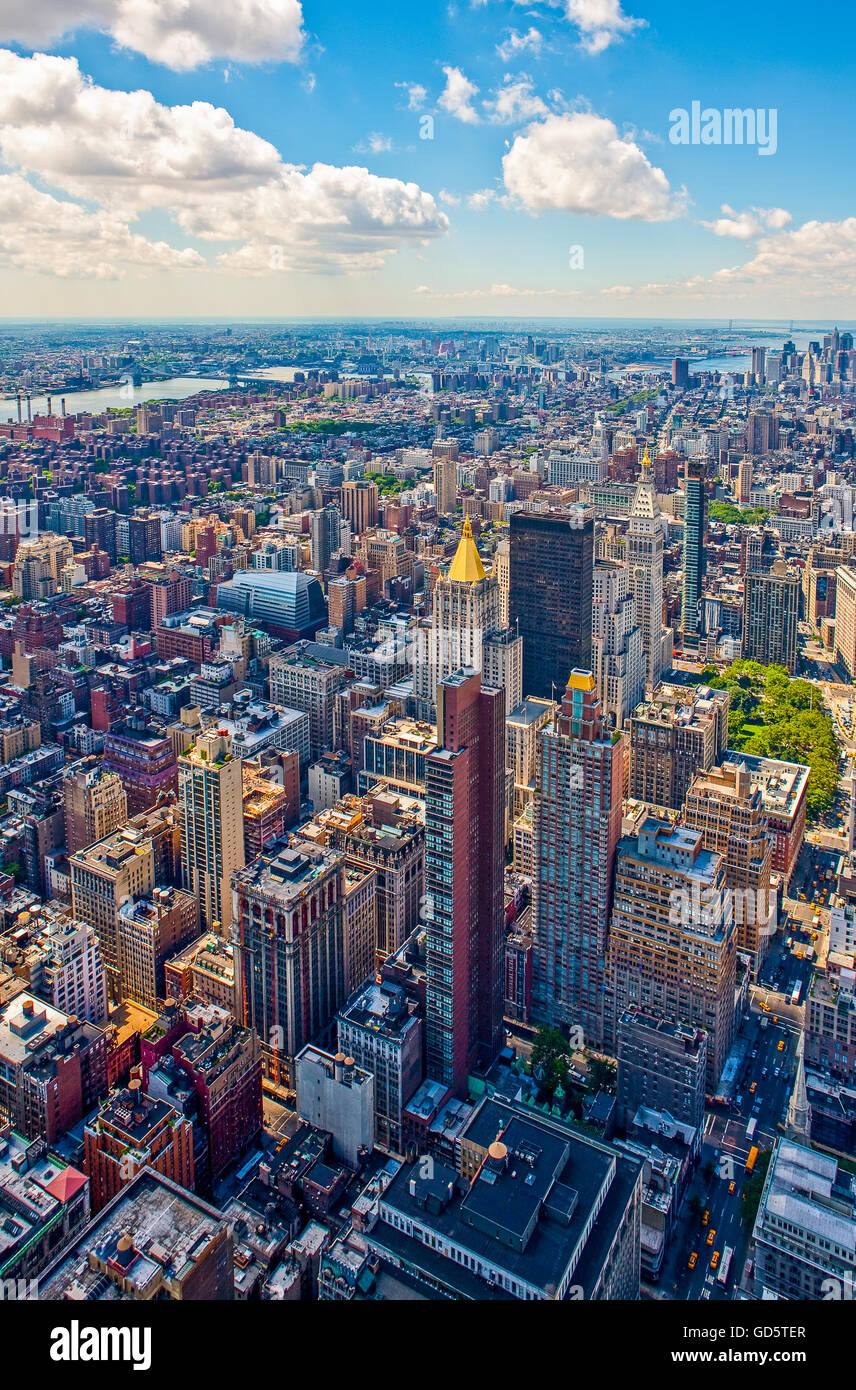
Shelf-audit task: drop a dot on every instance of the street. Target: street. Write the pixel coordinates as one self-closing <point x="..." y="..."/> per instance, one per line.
<point x="726" y="1147"/>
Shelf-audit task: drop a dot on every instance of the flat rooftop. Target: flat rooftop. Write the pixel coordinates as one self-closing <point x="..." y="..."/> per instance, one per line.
<point x="171" y="1228"/>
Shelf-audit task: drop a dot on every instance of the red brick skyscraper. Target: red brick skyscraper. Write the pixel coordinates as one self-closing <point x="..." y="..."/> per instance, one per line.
<point x="577" y="818"/>
<point x="464" y="816"/>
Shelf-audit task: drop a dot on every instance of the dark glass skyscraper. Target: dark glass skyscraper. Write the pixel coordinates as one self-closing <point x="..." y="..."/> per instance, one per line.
<point x="695" y="503"/>
<point x="464" y="864"/>
<point x="550" y="595"/>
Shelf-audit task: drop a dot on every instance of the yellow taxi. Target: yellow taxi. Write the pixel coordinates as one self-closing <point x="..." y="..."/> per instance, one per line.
<point x="711" y="1236"/>
<point x="781" y="1045"/>
<point x="753" y="1088"/>
<point x="693" y="1260"/>
<point x="714" y="1259"/>
<point x="731" y="1186"/>
<point x="704" y="1219"/>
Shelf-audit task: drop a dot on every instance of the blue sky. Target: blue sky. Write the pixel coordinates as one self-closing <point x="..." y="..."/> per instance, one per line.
<point x="259" y="156"/>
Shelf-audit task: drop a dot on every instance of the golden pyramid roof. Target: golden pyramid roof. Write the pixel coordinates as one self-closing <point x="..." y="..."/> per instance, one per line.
<point x="467" y="567"/>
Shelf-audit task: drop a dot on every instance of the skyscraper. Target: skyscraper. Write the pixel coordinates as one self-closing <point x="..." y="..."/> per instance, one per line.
<point x="679" y="732"/>
<point x="445" y="477"/>
<point x="466" y="607"/>
<point x="210" y="789"/>
<point x="577" y="825"/>
<point x="359" y="504"/>
<point x="94" y="802"/>
<point x="671" y="937"/>
<point x="771" y="604"/>
<point x="645" y="570"/>
<point x="290" y="952"/>
<point x="144" y="759"/>
<point x="729" y="811"/>
<point x="695" y="506"/>
<point x="464" y="861"/>
<point x="550" y="595"/>
<point x="618" y="662"/>
<point x="324" y="537"/>
<point x="125" y="866"/>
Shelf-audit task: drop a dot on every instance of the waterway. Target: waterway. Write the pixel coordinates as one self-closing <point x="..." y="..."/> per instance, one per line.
<point x="176" y="388"/>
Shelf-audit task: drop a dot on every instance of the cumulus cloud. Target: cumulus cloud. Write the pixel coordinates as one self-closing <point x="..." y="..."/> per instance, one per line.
<point x="814" y="261"/>
<point x="45" y="235"/>
<point x="182" y="34"/>
<point x="598" y="23"/>
<point x="515" y="102"/>
<point x="579" y="163"/>
<point x="129" y="153"/>
<point x="416" y="94"/>
<point x="457" y="96"/>
<point x="818" y="258"/>
<point x="750" y="223"/>
<point x="481" y="200"/>
<point x="517" y="43"/>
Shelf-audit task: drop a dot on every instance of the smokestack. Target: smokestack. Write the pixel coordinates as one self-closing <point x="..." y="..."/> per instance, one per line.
<point x="29" y="411"/>
<point x="50" y="405"/>
<point x="19" y="407"/>
<point x="62" y="405"/>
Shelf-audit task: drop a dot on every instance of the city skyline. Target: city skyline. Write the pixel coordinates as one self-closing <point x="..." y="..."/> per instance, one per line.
<point x="577" y="160"/>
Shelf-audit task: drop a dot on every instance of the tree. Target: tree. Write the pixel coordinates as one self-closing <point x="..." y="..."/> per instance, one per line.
<point x="602" y="1074"/>
<point x="773" y="715"/>
<point x="753" y="1187"/>
<point x="549" y="1060"/>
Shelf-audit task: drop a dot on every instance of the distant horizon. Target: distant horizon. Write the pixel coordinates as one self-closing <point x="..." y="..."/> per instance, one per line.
<point x="738" y="325"/>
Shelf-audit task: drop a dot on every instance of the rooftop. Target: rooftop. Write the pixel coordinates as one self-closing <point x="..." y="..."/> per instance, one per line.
<point x="171" y="1230"/>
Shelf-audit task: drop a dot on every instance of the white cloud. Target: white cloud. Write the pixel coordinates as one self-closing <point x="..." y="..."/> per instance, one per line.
<point x="450" y="199"/>
<point x="501" y="291"/>
<point x="129" y="153"/>
<point x="416" y="94"/>
<point x="818" y="258"/>
<point x="181" y="34"/>
<point x="380" y="144"/>
<point x="458" y="95"/>
<point x="814" y="261"/>
<point x="578" y="163"/>
<point x="517" y="43"/>
<point x="481" y="200"/>
<point x="750" y="223"/>
<point x="515" y="102"/>
<point x="44" y="235"/>
<point x="599" y="23"/>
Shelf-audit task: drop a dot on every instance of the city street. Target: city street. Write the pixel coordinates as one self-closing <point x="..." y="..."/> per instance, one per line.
<point x="726" y="1147"/>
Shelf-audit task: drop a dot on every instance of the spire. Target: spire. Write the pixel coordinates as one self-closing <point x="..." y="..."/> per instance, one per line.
<point x="645" y="506"/>
<point x="467" y="567"/>
<point x="798" y="1125"/>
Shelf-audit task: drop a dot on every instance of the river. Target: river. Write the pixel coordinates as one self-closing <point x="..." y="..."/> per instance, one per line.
<point x="177" y="388"/>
